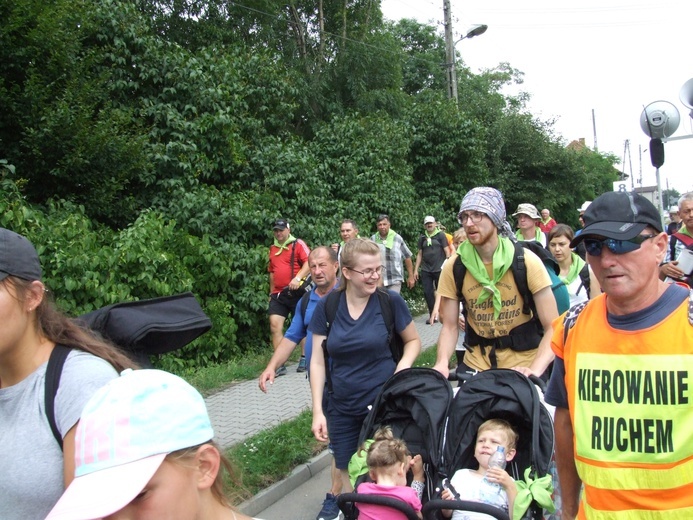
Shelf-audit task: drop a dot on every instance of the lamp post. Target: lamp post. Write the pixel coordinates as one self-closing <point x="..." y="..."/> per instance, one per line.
<point x="475" y="30"/>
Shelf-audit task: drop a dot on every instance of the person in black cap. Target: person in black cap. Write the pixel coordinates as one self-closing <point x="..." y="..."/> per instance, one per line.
<point x="621" y="381"/>
<point x="34" y="465"/>
<point x="288" y="268"/>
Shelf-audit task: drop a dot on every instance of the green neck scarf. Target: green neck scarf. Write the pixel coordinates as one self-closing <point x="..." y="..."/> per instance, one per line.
<point x="388" y="241"/>
<point x="428" y="237"/>
<point x="533" y="490"/>
<point x="575" y="268"/>
<point x="283" y="246"/>
<point x="684" y="231"/>
<point x="537" y="236"/>
<point x="502" y="259"/>
<point x="341" y="244"/>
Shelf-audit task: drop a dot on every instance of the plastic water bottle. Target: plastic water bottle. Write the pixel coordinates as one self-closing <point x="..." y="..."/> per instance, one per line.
<point x="497" y="460"/>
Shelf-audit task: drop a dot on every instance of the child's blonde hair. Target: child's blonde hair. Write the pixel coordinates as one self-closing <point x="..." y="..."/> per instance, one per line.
<point x="386" y="450"/>
<point x="503" y="426"/>
<point x="459" y="236"/>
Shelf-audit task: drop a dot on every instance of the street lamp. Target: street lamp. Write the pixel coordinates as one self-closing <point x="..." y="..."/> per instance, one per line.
<point x="475" y="30"/>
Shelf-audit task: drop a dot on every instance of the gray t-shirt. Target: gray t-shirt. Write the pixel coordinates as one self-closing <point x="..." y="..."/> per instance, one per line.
<point x="31" y="463"/>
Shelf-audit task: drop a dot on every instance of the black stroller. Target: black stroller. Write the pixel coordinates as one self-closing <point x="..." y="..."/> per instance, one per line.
<point x="501" y="394"/>
<point x="414" y="403"/>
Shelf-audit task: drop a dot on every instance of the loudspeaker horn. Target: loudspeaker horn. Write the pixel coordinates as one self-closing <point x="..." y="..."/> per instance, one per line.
<point x="660" y="119"/>
<point x="686" y="95"/>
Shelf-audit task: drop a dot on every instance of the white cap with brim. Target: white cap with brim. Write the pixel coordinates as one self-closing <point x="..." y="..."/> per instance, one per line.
<point x="124" y="433"/>
<point x="105" y="492"/>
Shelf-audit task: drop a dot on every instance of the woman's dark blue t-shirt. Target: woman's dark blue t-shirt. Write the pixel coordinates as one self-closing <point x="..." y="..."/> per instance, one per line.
<point x="360" y="355"/>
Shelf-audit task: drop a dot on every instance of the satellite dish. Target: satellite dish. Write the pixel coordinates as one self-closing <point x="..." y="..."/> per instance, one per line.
<point x="686" y="95"/>
<point x="659" y="119"/>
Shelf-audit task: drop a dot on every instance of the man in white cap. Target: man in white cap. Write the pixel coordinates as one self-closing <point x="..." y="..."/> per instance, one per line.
<point x="434" y="249"/>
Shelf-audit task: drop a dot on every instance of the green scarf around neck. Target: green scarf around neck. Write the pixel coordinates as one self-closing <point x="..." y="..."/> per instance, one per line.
<point x="428" y="237"/>
<point x="388" y="241"/>
<point x="575" y="268"/>
<point x="283" y="246"/>
<point x="502" y="259"/>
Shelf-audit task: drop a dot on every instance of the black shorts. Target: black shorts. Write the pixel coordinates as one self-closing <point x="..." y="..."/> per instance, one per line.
<point x="282" y="304"/>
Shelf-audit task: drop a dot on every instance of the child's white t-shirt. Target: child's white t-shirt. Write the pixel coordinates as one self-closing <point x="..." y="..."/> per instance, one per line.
<point x="470" y="486"/>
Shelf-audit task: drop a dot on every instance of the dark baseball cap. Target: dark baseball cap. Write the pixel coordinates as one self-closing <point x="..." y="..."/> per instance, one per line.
<point x="619" y="215"/>
<point x="280" y="223"/>
<point x="18" y="257"/>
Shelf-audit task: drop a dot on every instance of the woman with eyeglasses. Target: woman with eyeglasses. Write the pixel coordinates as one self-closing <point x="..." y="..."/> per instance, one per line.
<point x="577" y="276"/>
<point x="359" y="358"/>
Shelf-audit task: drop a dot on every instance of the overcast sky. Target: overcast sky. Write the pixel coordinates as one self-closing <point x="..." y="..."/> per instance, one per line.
<point x="613" y="56"/>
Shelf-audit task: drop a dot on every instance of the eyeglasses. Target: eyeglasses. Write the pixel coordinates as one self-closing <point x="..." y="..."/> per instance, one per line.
<point x="368" y="273"/>
<point x="617" y="247"/>
<point x="474" y="216"/>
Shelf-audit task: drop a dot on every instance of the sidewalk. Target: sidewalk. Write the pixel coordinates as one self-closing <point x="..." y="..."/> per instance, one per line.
<point x="243" y="410"/>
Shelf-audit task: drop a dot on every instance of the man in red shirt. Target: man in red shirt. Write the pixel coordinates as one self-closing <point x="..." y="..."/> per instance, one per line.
<point x="288" y="266"/>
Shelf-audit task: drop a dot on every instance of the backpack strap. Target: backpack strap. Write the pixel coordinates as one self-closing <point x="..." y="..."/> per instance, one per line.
<point x="305" y="300"/>
<point x="331" y="305"/>
<point x="519" y="270"/>
<point x="388" y="313"/>
<point x="585" y="279"/>
<point x="54" y="370"/>
<point x="291" y="261"/>
<point x="687" y="241"/>
<point x="571" y="317"/>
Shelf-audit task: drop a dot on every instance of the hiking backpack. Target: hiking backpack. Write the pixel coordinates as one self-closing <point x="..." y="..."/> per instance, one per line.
<point x="140" y="328"/>
<point x="530" y="333"/>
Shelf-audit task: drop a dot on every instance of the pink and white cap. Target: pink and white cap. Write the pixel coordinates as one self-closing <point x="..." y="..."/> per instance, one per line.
<point x="124" y="434"/>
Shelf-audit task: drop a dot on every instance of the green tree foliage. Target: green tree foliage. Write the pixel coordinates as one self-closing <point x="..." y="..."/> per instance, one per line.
<point x="148" y="145"/>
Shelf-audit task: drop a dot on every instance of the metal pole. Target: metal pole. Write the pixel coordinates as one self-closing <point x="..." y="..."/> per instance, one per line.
<point x="450" y="69"/>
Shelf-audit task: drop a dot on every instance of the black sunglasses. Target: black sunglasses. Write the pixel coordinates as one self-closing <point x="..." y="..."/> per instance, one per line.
<point x="617" y="247"/>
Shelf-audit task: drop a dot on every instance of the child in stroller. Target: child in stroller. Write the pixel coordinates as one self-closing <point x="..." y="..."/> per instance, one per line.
<point x="388" y="462"/>
<point x="488" y="485"/>
<point x="510" y="396"/>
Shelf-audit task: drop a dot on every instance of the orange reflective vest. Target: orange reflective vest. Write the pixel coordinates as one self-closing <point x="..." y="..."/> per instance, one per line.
<point x="630" y="396"/>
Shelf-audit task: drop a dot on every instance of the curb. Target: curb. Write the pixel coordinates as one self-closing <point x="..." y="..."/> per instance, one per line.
<point x="299" y="475"/>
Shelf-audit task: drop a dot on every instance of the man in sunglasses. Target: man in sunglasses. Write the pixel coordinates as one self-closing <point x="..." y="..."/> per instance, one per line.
<point x="623" y="374"/>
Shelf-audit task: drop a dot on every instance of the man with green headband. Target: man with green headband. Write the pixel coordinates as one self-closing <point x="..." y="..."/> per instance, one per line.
<point x="501" y="331"/>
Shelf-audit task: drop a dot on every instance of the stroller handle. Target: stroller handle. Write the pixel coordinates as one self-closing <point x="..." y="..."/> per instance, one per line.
<point x="346" y="501"/>
<point x="432" y="506"/>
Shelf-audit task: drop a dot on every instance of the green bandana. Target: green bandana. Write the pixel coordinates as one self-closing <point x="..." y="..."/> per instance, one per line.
<point x="529" y="490"/>
<point x="283" y="246"/>
<point x="684" y="231"/>
<point x="357" y="464"/>
<point x="502" y="258"/>
<point x="575" y="268"/>
<point x="428" y="237"/>
<point x="537" y="234"/>
<point x="388" y="241"/>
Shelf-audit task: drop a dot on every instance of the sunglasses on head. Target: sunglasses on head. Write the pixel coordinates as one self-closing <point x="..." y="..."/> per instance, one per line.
<point x="617" y="247"/>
